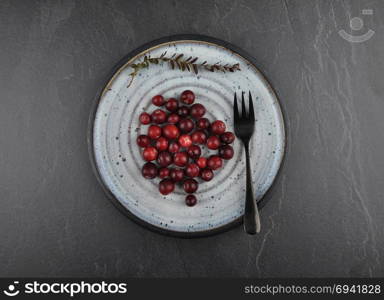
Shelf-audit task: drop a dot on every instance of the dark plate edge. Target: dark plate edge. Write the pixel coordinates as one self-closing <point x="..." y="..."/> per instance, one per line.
<point x="206" y="233"/>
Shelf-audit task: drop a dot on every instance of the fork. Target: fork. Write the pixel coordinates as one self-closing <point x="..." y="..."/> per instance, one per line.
<point x="244" y="127"/>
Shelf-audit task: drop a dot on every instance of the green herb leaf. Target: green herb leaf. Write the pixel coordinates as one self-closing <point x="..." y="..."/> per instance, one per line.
<point x="176" y="60"/>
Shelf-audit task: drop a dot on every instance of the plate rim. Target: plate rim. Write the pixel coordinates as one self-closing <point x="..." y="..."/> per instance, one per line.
<point x="100" y="92"/>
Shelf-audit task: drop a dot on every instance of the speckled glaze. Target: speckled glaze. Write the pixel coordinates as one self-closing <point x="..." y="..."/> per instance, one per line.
<point x="116" y="127"/>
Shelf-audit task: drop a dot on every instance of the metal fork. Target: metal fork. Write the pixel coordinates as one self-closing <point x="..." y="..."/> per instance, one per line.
<point x="244" y="128"/>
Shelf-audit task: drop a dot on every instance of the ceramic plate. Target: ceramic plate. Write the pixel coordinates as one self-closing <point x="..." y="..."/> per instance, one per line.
<point x="115" y="127"/>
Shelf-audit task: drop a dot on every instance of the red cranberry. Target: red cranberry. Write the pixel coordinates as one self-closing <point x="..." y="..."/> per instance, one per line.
<point x="190" y="200"/>
<point x="150" y="153"/>
<point x="227" y="137"/>
<point x="159" y="116"/>
<point x="185" y="140"/>
<point x="199" y="137"/>
<point x="180" y="159"/>
<point x="166" y="186"/>
<point x="203" y="123"/>
<point x="158" y="100"/>
<point x="201" y="162"/>
<point x="149" y="170"/>
<point x="164" y="159"/>
<point x="161" y="144"/>
<point x="170" y="131"/>
<point x="173" y="118"/>
<point x="183" y="111"/>
<point x="194" y="151"/>
<point x="164" y="172"/>
<point x="226" y="152"/>
<point x="143" y="141"/>
<point x="177" y="175"/>
<point x="186" y="125"/>
<point x="213" y="142"/>
<point x="197" y="110"/>
<point x="187" y="97"/>
<point x="192" y="170"/>
<point x="190" y="186"/>
<point x="214" y="162"/>
<point x="145" y="118"/>
<point x="174" y="147"/>
<point x="154" y="131"/>
<point x="172" y="104"/>
<point x="207" y="174"/>
<point x="218" y="127"/>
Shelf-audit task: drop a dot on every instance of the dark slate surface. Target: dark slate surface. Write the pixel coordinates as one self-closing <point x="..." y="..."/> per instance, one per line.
<point x="325" y="217"/>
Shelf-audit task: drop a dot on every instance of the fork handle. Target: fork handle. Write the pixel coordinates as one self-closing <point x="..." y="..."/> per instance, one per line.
<point x="251" y="214"/>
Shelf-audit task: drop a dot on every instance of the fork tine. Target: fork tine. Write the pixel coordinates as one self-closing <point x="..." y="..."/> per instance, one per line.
<point x="251" y="113"/>
<point x="244" y="111"/>
<point x="235" y="109"/>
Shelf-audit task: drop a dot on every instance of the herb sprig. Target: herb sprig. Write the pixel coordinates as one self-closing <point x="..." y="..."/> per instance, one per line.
<point x="190" y="64"/>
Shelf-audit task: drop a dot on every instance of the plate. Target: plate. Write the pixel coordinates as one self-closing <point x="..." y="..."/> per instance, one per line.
<point x="114" y="128"/>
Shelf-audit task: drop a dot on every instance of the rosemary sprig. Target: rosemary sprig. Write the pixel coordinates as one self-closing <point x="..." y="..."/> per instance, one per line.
<point x="177" y="61"/>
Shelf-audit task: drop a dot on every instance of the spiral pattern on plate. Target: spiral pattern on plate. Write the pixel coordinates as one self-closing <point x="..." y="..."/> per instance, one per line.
<point x="221" y="200"/>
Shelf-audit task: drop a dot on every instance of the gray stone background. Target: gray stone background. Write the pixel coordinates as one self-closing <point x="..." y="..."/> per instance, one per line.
<point x="325" y="215"/>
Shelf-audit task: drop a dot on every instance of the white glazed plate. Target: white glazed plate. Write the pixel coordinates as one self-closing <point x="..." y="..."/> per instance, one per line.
<point x="114" y="128"/>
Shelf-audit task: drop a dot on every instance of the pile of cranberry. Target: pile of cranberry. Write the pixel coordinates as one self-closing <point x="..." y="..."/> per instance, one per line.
<point x="176" y="137"/>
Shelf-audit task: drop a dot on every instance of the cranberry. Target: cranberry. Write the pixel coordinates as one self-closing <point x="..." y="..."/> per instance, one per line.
<point x="201" y="162"/>
<point x="190" y="186"/>
<point x="227" y="137"/>
<point x="192" y="170"/>
<point x="218" y="127"/>
<point x="180" y="159"/>
<point x="164" y="159"/>
<point x="213" y="142"/>
<point x="145" y="118"/>
<point x="149" y="170"/>
<point x="186" y="125"/>
<point x="194" y="151"/>
<point x="159" y="116"/>
<point x="170" y="131"/>
<point x="158" y="100"/>
<point x="174" y="147"/>
<point x="185" y="140"/>
<point x="226" y="152"/>
<point x="154" y="131"/>
<point x="166" y="186"/>
<point x="177" y="175"/>
<point x="190" y="200"/>
<point x="172" y="104"/>
<point x="187" y="97"/>
<point x="199" y="137"/>
<point x="161" y="144"/>
<point x="214" y="162"/>
<point x="143" y="140"/>
<point x="183" y="111"/>
<point x="173" y="118"/>
<point x="164" y="172"/>
<point x="150" y="153"/>
<point x="197" y="110"/>
<point x="203" y="123"/>
<point x="207" y="174"/>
